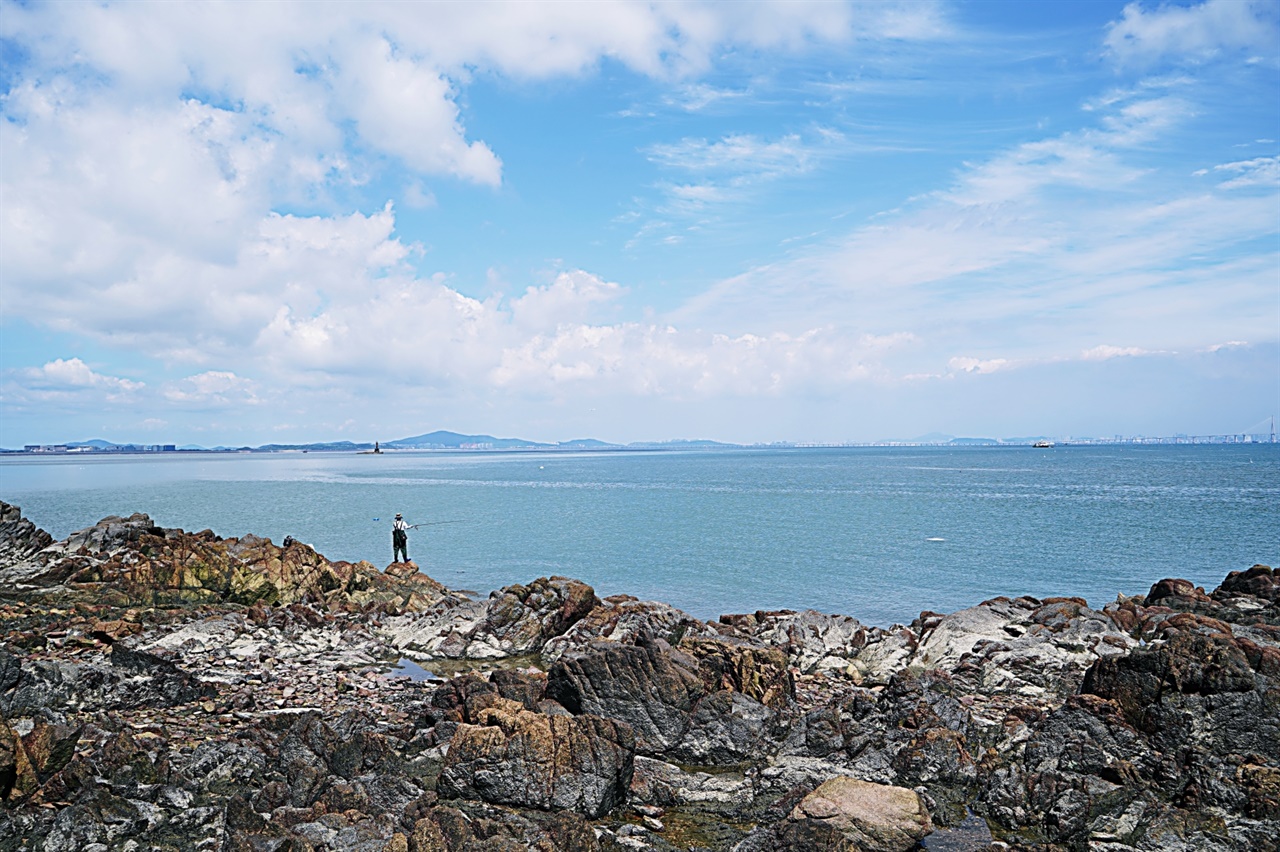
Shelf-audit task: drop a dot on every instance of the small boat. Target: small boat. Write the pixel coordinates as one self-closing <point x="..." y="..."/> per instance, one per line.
<point x="1043" y="444"/>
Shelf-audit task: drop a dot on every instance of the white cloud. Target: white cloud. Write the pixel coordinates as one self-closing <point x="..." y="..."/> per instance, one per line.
<point x="72" y="374"/>
<point x="1104" y="352"/>
<point x="1195" y="33"/>
<point x="656" y="360"/>
<point x="212" y="389"/>
<point x="63" y="382"/>
<point x="1047" y="248"/>
<point x="1260" y="171"/>
<point x="962" y="364"/>
<point x="742" y="154"/>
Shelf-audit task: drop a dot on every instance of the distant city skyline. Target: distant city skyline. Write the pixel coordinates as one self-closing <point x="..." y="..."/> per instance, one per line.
<point x="253" y="224"/>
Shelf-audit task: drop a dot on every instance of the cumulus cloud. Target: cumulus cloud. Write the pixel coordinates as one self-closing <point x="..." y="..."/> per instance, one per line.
<point x="72" y="374"/>
<point x="65" y="381"/>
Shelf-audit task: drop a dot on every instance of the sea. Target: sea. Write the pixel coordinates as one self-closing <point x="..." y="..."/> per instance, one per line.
<point x="878" y="533"/>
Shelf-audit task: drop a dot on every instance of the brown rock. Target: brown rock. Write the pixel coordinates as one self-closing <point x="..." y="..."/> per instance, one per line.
<point x="857" y="816"/>
<point x="1182" y="591"/>
<point x="400" y="570"/>
<point x="1259" y="581"/>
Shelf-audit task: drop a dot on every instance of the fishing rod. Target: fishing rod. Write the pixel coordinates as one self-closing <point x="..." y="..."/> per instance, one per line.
<point x="427" y="524"/>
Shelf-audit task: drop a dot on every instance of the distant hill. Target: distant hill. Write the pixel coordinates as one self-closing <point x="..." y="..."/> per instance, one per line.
<point x="441" y="440"/>
<point x="96" y="443"/>
<point x="585" y="444"/>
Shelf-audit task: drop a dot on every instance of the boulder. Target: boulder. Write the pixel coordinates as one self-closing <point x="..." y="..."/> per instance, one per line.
<point x="526" y="759"/>
<point x="1173" y="591"/>
<point x="857" y="816"/>
<point x="1258" y="582"/>
<point x="521" y="619"/>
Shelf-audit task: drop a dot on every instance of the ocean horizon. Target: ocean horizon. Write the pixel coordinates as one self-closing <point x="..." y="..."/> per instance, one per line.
<point x="877" y="533"/>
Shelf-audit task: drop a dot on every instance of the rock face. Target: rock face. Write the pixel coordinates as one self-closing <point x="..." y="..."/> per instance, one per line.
<point x="517" y="757"/>
<point x="172" y="690"/>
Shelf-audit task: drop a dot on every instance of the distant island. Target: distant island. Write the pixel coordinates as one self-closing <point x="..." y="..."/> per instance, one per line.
<point x="454" y="441"/>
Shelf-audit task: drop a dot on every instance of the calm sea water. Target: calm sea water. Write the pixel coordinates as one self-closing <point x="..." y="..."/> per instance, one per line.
<point x="877" y="533"/>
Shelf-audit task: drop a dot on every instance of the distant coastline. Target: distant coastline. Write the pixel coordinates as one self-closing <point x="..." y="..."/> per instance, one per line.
<point x="442" y="441"/>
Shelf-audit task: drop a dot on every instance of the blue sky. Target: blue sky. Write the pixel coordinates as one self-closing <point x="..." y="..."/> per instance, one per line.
<point x="251" y="223"/>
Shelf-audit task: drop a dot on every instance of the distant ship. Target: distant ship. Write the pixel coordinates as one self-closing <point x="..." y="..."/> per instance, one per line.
<point x="1043" y="444"/>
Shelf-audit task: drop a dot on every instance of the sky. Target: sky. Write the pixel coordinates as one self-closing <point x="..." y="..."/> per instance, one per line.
<point x="247" y="223"/>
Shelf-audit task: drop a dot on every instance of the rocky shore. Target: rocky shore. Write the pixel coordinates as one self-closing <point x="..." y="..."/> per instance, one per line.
<point x="168" y="690"/>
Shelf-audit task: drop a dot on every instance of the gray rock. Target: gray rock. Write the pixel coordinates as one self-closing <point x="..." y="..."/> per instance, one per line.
<point x="517" y="757"/>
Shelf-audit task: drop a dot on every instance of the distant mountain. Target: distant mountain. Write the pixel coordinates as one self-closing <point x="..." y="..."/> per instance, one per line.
<point x="96" y="443"/>
<point x="585" y="444"/>
<point x="441" y="440"/>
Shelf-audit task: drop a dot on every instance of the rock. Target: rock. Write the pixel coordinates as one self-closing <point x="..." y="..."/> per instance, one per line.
<point x="514" y="621"/>
<point x="1182" y="591"/>
<point x="20" y="540"/>
<point x="650" y="687"/>
<point x="1023" y="648"/>
<point x="1187" y="663"/>
<point x="1257" y="582"/>
<point x="522" y="619"/>
<point x="849" y="814"/>
<point x="727" y="728"/>
<point x="627" y="620"/>
<point x="517" y="757"/>
<point x="401" y="570"/>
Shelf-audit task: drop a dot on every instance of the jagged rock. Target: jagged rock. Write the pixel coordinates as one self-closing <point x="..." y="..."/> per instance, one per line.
<point x="516" y="620"/>
<point x="131" y="561"/>
<point x="1023" y="647"/>
<point x="650" y="687"/>
<point x="811" y="639"/>
<point x="133" y="679"/>
<point x="521" y="619"/>
<point x="759" y="673"/>
<point x="626" y="619"/>
<point x="20" y="540"/>
<point x="517" y="757"/>
<point x="1187" y="663"/>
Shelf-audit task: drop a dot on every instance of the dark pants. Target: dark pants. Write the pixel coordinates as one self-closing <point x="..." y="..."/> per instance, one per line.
<point x="399" y="546"/>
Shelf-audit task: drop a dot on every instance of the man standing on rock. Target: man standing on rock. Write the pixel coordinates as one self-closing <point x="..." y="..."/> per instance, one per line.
<point x="399" y="539"/>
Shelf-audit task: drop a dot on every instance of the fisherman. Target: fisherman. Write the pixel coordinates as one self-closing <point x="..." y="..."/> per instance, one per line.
<point x="399" y="539"/>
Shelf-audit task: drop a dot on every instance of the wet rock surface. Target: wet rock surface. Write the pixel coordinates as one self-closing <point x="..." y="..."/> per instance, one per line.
<point x="161" y="689"/>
